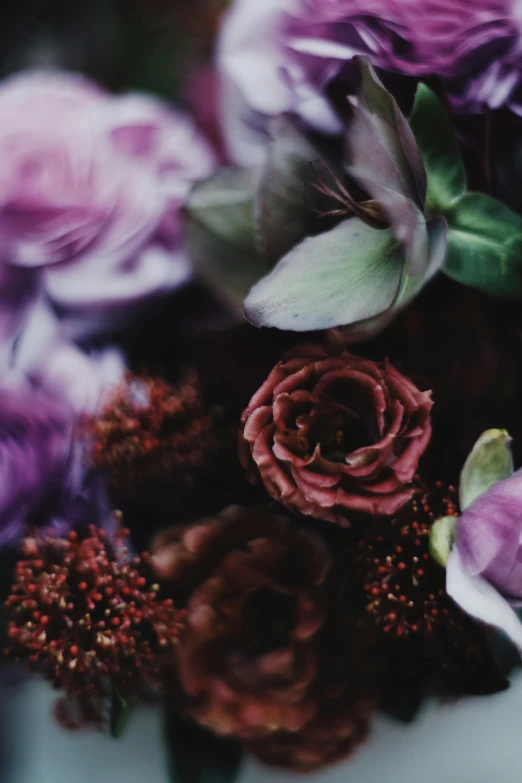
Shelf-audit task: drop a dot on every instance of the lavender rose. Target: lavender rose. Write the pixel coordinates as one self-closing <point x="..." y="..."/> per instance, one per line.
<point x="283" y="55"/>
<point x="35" y="444"/>
<point x="80" y="380"/>
<point x="45" y="478"/>
<point x="329" y="433"/>
<point x="49" y="387"/>
<point x="91" y="192"/>
<point x="484" y="568"/>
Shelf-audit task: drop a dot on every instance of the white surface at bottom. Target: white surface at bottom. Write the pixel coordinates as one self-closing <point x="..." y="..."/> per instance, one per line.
<point x="476" y="740"/>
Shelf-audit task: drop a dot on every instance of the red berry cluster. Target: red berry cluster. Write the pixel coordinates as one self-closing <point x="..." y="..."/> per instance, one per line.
<point x="90" y="620"/>
<point x="404" y="586"/>
<point x="153" y="433"/>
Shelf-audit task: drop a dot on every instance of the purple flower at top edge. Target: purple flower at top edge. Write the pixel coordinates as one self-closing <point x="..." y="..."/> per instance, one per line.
<point x="91" y="188"/>
<point x="484" y="570"/>
<point x="282" y="56"/>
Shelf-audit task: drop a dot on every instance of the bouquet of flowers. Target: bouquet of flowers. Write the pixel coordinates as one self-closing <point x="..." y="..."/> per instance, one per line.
<point x="262" y="377"/>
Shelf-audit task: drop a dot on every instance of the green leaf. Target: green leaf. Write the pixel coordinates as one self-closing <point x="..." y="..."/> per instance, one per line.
<point x="345" y="275"/>
<point x="283" y="216"/>
<point x="221" y="235"/>
<point x="440" y="153"/>
<point x="489" y="461"/>
<point x="198" y="756"/>
<point x="409" y="287"/>
<point x="441" y="539"/>
<point x="485" y="245"/>
<point x="120" y="712"/>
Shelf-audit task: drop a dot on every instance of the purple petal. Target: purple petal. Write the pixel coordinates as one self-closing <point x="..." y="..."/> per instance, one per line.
<point x="488" y="535"/>
<point x="476" y="596"/>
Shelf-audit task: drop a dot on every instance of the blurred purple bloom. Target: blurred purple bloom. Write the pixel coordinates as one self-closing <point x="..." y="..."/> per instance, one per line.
<point x="49" y="386"/>
<point x="35" y="448"/>
<point x="79" y="379"/>
<point x="282" y="55"/>
<point x="91" y="187"/>
<point x="484" y="570"/>
<point x="45" y="477"/>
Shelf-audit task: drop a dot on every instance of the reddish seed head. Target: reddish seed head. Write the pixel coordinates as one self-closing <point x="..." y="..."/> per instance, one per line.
<point x="78" y="651"/>
<point x="151" y="433"/>
<point x="388" y="561"/>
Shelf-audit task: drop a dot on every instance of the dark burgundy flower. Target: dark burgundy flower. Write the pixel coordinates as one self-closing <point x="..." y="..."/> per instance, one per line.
<point x="151" y="434"/>
<point x="406" y="596"/>
<point x="247" y="659"/>
<point x="339" y="729"/>
<point x="329" y="433"/>
<point x="260" y="658"/>
<point x="90" y="621"/>
<point x="404" y="585"/>
<point x="345" y="691"/>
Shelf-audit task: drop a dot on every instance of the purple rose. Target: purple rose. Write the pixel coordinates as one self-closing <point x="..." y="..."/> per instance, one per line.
<point x="35" y="446"/>
<point x="484" y="569"/>
<point x="45" y="479"/>
<point x="80" y="380"/>
<point x="91" y="187"/>
<point x="283" y="55"/>
<point x="49" y="387"/>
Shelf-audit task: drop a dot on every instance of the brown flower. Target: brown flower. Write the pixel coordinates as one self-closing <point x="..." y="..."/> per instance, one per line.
<point x="329" y="433"/>
<point x="90" y="623"/>
<point x="341" y="725"/>
<point x="344" y="690"/>
<point x="255" y="659"/>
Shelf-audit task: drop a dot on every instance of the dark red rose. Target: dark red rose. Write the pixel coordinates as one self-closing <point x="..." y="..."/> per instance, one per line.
<point x="344" y="691"/>
<point x="340" y="726"/>
<point x="256" y="660"/>
<point x="329" y="433"/>
<point x="247" y="659"/>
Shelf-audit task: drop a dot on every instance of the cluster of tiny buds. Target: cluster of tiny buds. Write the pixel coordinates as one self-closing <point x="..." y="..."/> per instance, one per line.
<point x="88" y="617"/>
<point x="151" y="432"/>
<point x="404" y="586"/>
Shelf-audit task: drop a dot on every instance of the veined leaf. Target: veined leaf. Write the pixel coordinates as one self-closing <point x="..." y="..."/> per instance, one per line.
<point x="485" y="245"/>
<point x="444" y="167"/>
<point x="221" y="235"/>
<point x="345" y="275"/>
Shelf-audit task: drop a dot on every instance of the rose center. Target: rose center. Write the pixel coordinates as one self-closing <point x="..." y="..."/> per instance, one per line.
<point x="344" y="420"/>
<point x="269" y="616"/>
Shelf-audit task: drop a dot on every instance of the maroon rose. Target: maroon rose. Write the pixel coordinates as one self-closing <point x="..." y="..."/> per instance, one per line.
<point x="329" y="433"/>
<point x="271" y="653"/>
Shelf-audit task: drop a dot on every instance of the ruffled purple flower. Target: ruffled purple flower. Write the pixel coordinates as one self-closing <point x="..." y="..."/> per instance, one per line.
<point x="91" y="188"/>
<point x="49" y="387"/>
<point x="484" y="569"/>
<point x="81" y="380"/>
<point x="283" y="55"/>
<point x="45" y="478"/>
<point x="35" y="448"/>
